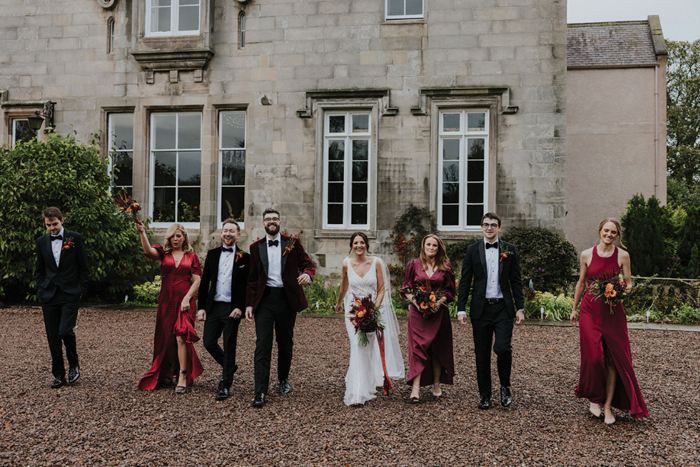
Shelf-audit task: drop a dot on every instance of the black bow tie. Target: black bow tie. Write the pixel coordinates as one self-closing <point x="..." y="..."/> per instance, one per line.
<point x="57" y="237"/>
<point x="273" y="242"/>
<point x="230" y="250"/>
<point x="491" y="245"/>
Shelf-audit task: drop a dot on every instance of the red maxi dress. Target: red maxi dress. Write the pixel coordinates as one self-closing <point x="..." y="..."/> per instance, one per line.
<point x="171" y="321"/>
<point x="428" y="338"/>
<point x="600" y="329"/>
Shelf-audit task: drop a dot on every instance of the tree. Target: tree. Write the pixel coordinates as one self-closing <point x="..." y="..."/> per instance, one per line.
<point x="689" y="239"/>
<point x="683" y="114"/>
<point x="648" y="235"/>
<point x="72" y="176"/>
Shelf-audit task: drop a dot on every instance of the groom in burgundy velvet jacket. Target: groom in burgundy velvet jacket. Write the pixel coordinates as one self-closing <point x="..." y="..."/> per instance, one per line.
<point x="279" y="267"/>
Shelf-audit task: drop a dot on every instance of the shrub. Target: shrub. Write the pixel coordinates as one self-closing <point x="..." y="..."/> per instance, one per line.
<point x="410" y="228"/>
<point x="321" y="295"/>
<point x="68" y="174"/>
<point x="689" y="237"/>
<point x="146" y="294"/>
<point x="648" y="235"/>
<point x="556" y="307"/>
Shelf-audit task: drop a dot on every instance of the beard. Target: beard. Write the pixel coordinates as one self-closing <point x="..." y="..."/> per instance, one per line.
<point x="272" y="229"/>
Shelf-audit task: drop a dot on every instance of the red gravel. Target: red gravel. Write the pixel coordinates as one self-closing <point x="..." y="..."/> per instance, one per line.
<point x="104" y="419"/>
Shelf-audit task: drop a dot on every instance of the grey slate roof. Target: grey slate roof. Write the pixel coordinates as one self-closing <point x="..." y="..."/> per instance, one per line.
<point x="615" y="44"/>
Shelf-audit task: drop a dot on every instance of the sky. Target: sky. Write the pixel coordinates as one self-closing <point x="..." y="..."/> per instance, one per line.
<point x="680" y="19"/>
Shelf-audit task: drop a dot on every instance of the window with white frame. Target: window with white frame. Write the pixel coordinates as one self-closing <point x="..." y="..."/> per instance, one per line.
<point x="232" y="149"/>
<point x="121" y="151"/>
<point x="172" y="17"/>
<point x="346" y="162"/>
<point x="463" y="155"/>
<point x="404" y="9"/>
<point x="241" y="30"/>
<point x="176" y="168"/>
<point x="21" y="132"/>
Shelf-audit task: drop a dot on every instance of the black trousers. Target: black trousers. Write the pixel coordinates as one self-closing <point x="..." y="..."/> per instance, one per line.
<point x="218" y="322"/>
<point x="494" y="320"/>
<point x="60" y="316"/>
<point x="273" y="313"/>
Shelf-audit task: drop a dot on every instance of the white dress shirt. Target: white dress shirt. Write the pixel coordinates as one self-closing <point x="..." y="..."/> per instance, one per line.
<point x="223" y="279"/>
<point x="493" y="286"/>
<point x="57" y="245"/>
<point x="274" y="262"/>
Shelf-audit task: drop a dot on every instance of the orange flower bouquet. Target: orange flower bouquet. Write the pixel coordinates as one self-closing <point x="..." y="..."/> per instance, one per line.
<point x="612" y="288"/>
<point x="364" y="314"/>
<point x="128" y="206"/>
<point x="427" y="299"/>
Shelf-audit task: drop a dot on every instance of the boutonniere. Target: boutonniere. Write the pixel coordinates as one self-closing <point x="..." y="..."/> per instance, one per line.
<point x="504" y="251"/>
<point x="67" y="243"/>
<point x="239" y="255"/>
<point x="292" y="242"/>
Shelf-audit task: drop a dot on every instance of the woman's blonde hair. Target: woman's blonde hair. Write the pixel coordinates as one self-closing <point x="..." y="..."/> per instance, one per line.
<point x="441" y="261"/>
<point x="169" y="234"/>
<point x="617" y="226"/>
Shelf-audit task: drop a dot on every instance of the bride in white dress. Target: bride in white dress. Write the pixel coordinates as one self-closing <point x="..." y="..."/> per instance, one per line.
<point x="362" y="276"/>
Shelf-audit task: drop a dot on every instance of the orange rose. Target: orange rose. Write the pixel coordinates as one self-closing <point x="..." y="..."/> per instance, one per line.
<point x="609" y="288"/>
<point x="613" y="294"/>
<point x="361" y="313"/>
<point x="424" y="306"/>
<point x="358" y="302"/>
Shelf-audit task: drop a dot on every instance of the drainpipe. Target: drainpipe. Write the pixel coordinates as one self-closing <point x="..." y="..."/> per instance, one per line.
<point x="656" y="130"/>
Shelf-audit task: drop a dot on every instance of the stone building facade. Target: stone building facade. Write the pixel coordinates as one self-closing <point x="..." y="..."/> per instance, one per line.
<point x="340" y="113"/>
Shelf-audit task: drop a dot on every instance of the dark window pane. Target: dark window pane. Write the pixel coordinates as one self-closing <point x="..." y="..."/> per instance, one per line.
<point x="450" y="214"/>
<point x="189" y="131"/>
<point x="336" y="150"/>
<point x="474" y="213"/>
<point x="164" y="205"/>
<point x="232" y="130"/>
<point x="450" y="171"/>
<point x="335" y="192"/>
<point x="358" y="214"/>
<point x="189" y="15"/>
<point x="336" y="124"/>
<point x="232" y="202"/>
<point x="475" y="192"/>
<point x="450" y="192"/>
<point x="232" y="168"/>
<point x="336" y="171"/>
<point x="450" y="122"/>
<point x="396" y="7"/>
<point x="122" y="136"/>
<point x="476" y="122"/>
<point x="475" y="171"/>
<point x="475" y="148"/>
<point x="190" y="170"/>
<point x="450" y="149"/>
<point x="165" y="131"/>
<point x="335" y="214"/>
<point x="360" y="123"/>
<point x="188" y="205"/>
<point x="359" y="171"/>
<point x="360" y="150"/>
<point x="359" y="192"/>
<point x="414" y="7"/>
<point x="165" y="168"/>
<point x="22" y="131"/>
<point x="122" y="164"/>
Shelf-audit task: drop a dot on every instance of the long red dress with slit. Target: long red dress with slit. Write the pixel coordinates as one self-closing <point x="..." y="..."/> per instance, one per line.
<point x="429" y="338"/>
<point x="600" y="329"/>
<point x="171" y="321"/>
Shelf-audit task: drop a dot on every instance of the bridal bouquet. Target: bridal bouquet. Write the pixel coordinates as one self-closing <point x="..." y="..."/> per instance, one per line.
<point x="364" y="314"/>
<point x="128" y="206"/>
<point x="612" y="288"/>
<point x="427" y="299"/>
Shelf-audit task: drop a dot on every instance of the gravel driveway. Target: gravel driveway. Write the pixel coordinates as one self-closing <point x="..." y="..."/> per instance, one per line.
<point x="104" y="419"/>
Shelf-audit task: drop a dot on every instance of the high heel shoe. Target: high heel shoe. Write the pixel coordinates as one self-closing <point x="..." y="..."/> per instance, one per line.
<point x="415" y="398"/>
<point x="437" y="393"/>
<point x="609" y="421"/>
<point x="181" y="389"/>
<point x="595" y="410"/>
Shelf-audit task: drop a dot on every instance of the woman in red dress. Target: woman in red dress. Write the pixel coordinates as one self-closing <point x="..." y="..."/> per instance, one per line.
<point x="607" y="377"/>
<point x="430" y="355"/>
<point x="173" y="349"/>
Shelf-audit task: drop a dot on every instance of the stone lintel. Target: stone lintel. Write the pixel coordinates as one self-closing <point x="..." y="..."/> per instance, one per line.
<point x="191" y="59"/>
<point x="348" y="95"/>
<point x="464" y="92"/>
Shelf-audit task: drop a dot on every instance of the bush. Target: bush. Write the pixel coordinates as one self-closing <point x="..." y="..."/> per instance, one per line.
<point x="689" y="237"/>
<point x="556" y="307"/>
<point x="146" y="294"/>
<point x="321" y="295"/>
<point x="68" y="174"/>
<point x="648" y="235"/>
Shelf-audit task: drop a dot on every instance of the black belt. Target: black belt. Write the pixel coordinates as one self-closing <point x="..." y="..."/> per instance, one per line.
<point x="494" y="301"/>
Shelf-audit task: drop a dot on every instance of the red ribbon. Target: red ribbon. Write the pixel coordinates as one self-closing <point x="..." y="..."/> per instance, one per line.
<point x="387" y="381"/>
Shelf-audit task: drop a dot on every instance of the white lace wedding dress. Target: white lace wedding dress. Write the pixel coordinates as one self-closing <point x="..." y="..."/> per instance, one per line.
<point x="365" y="372"/>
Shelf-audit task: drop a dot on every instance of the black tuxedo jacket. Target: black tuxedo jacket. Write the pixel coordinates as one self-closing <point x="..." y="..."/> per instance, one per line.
<point x="294" y="263"/>
<point x="72" y="274"/>
<point x="474" y="268"/>
<point x="239" y="278"/>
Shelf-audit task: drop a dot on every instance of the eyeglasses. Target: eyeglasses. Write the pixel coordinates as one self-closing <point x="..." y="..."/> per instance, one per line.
<point x="489" y="226"/>
<point x="271" y="219"/>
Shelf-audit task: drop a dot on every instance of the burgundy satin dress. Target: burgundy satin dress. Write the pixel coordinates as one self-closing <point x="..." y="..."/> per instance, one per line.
<point x="428" y="338"/>
<point x="171" y="321"/>
<point x="600" y="329"/>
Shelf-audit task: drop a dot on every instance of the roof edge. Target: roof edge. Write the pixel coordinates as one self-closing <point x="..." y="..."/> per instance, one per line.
<point x="657" y="35"/>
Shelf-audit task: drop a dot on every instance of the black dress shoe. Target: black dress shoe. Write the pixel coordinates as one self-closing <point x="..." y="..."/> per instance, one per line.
<point x="222" y="394"/>
<point x="285" y="387"/>
<point x="58" y="382"/>
<point x="485" y="403"/>
<point x="259" y="400"/>
<point x="506" y="398"/>
<point x="73" y="374"/>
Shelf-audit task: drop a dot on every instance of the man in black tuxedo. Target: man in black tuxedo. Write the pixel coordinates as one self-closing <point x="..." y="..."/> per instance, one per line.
<point x="222" y="301"/>
<point x="493" y="266"/>
<point x="62" y="275"/>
